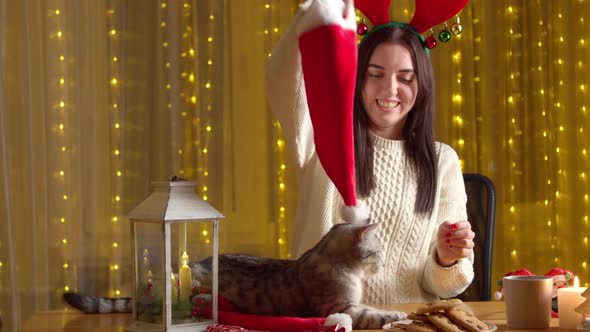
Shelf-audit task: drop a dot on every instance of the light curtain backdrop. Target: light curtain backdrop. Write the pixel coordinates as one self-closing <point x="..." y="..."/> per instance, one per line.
<point x="99" y="98"/>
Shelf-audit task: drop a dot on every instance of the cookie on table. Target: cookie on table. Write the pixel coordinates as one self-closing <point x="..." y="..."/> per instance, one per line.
<point x="463" y="306"/>
<point x="397" y="327"/>
<point x="466" y="320"/>
<point x="419" y="326"/>
<point x="439" y="305"/>
<point x="443" y="322"/>
<point x="419" y="317"/>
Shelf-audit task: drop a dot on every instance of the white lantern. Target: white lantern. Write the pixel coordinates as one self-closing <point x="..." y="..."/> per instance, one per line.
<point x="170" y="227"/>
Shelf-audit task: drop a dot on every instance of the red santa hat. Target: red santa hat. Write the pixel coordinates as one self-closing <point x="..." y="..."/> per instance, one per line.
<point x="520" y="272"/>
<point x="328" y="58"/>
<point x="230" y="319"/>
<point x="328" y="46"/>
<point x="559" y="274"/>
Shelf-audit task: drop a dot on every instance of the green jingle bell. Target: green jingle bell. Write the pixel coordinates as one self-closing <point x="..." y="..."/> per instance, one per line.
<point x="444" y="36"/>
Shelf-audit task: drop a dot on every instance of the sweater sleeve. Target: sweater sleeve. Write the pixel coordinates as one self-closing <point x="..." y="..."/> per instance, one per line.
<point x="285" y="92"/>
<point x="450" y="281"/>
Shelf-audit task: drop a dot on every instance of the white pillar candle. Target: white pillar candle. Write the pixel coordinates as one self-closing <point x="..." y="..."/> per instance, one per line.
<point x="568" y="298"/>
<point x="184" y="275"/>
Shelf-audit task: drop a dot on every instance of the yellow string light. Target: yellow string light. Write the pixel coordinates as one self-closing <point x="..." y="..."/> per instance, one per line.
<point x="61" y="212"/>
<point x="271" y="35"/>
<point x="115" y="275"/>
<point x="512" y="105"/>
<point x="205" y="130"/>
<point x="558" y="119"/>
<point x="582" y="98"/>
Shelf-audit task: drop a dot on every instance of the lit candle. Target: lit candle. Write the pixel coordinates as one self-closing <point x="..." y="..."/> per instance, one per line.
<point x="174" y="288"/>
<point x="145" y="267"/>
<point x="185" y="279"/>
<point x="568" y="298"/>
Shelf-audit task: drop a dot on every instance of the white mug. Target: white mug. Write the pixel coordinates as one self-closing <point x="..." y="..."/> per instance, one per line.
<point x="528" y="301"/>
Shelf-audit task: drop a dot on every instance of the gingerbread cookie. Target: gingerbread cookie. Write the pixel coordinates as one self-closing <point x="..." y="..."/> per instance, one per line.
<point x="466" y="320"/>
<point x="443" y="322"/>
<point x="439" y="305"/>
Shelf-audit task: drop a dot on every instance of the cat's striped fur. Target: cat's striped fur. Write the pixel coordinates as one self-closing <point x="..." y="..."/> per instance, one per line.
<point x="327" y="279"/>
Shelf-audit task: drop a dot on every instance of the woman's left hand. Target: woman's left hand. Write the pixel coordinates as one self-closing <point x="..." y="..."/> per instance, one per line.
<point x="453" y="242"/>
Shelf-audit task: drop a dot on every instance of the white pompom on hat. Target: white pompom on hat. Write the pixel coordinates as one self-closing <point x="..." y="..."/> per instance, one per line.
<point x="355" y="214"/>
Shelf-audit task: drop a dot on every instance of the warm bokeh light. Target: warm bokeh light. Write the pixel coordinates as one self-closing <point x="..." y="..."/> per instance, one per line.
<point x="533" y="121"/>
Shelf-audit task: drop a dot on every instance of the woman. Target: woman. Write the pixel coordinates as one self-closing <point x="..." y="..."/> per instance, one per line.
<point x="412" y="185"/>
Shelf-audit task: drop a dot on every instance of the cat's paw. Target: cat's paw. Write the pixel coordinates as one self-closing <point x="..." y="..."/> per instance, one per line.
<point x="394" y="316"/>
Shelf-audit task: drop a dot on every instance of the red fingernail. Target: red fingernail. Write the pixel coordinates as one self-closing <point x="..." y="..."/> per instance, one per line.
<point x="448" y="234"/>
<point x="448" y="240"/>
<point x="450" y="246"/>
<point x="453" y="226"/>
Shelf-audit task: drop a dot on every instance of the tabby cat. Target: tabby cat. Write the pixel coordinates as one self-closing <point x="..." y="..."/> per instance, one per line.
<point x="327" y="279"/>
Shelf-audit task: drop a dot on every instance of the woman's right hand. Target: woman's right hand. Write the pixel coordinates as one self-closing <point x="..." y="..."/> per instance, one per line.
<point x="453" y="242"/>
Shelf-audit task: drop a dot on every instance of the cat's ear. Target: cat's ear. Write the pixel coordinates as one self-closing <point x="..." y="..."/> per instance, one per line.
<point x="367" y="231"/>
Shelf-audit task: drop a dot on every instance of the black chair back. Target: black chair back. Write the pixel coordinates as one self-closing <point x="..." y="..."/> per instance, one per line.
<point x="481" y="212"/>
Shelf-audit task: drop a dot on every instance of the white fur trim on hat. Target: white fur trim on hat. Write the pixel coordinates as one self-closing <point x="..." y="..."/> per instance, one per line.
<point x="358" y="214"/>
<point x="325" y="12"/>
<point x="341" y="319"/>
<point x="559" y="277"/>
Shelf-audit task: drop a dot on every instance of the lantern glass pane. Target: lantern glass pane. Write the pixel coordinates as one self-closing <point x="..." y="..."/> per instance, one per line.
<point x="150" y="284"/>
<point x="191" y="242"/>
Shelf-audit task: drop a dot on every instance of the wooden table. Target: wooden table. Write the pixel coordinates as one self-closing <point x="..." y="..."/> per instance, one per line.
<point x="74" y="321"/>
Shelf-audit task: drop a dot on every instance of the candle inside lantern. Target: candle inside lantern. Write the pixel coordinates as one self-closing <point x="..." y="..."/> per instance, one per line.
<point x="174" y="288"/>
<point x="184" y="275"/>
<point x="568" y="298"/>
<point x="145" y="267"/>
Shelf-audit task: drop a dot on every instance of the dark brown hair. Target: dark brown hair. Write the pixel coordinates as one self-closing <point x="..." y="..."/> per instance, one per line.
<point x="418" y="131"/>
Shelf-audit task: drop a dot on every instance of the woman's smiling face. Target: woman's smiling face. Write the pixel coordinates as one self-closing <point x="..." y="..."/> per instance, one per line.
<point x="390" y="89"/>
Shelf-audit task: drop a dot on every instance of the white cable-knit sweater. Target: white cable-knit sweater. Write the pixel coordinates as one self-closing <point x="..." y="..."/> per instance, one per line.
<point x="411" y="273"/>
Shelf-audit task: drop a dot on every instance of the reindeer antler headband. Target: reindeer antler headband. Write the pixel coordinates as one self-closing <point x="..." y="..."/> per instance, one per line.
<point x="427" y="14"/>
